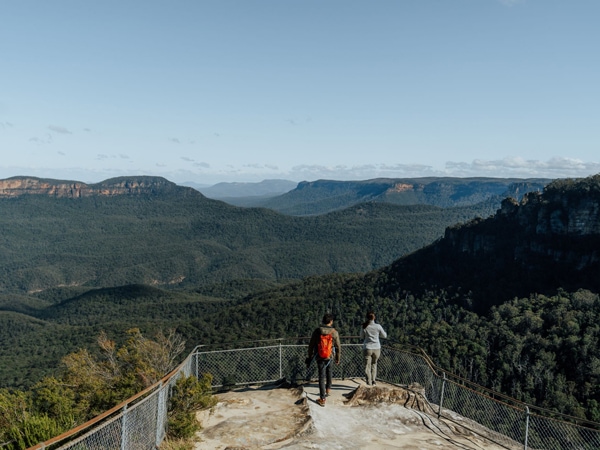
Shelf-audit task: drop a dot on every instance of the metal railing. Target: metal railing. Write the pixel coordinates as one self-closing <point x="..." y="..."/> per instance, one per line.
<point x="140" y="422"/>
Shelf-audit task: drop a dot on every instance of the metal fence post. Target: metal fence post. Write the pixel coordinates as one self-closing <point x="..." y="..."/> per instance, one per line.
<point x="526" y="426"/>
<point x="280" y="361"/>
<point x="124" y="445"/>
<point x="442" y="394"/>
<point x="160" y="412"/>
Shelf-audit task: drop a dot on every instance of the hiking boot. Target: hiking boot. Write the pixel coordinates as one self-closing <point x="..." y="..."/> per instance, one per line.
<point x="321" y="401"/>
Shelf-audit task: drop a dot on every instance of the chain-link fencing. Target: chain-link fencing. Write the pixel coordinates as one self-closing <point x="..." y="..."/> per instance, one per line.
<point x="507" y="422"/>
<point x="141" y="422"/>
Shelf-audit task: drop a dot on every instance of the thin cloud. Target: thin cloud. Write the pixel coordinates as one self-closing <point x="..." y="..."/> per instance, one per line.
<point x="175" y="140"/>
<point x="203" y="165"/>
<point x="185" y="158"/>
<point x="57" y="129"/>
<point x="41" y="140"/>
<point x="361" y="172"/>
<point x="254" y="166"/>
<point x="520" y="167"/>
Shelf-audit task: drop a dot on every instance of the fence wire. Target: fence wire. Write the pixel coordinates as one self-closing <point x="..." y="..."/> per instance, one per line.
<point x="142" y="423"/>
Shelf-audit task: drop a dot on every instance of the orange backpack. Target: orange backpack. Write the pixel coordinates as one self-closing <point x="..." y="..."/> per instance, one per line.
<point x="325" y="346"/>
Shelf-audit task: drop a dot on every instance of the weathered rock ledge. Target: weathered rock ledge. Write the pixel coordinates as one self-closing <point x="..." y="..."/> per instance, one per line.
<point x="18" y="186"/>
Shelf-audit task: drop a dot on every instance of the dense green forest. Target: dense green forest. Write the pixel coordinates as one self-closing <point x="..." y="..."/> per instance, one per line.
<point x="541" y="349"/>
<point x="178" y="238"/>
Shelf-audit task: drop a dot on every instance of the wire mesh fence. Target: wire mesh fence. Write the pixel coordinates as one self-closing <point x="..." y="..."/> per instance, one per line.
<point x="506" y="421"/>
<point x="141" y="422"/>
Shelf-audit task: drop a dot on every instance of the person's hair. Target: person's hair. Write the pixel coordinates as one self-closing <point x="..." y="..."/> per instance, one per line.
<point x="327" y="318"/>
<point x="370" y="316"/>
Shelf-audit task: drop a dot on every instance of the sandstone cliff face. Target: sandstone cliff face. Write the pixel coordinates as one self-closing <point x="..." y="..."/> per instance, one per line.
<point x="17" y="186"/>
<point x="544" y="242"/>
<point x="559" y="225"/>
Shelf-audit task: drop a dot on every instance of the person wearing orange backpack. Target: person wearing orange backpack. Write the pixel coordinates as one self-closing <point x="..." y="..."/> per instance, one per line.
<point x="325" y="347"/>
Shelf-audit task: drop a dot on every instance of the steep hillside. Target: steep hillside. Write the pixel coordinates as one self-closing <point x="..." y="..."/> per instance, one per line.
<point x="148" y="230"/>
<point x="322" y="196"/>
<point x="546" y="241"/>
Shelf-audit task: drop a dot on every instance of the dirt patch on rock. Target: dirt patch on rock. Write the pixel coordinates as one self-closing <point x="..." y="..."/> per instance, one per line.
<point x="412" y="397"/>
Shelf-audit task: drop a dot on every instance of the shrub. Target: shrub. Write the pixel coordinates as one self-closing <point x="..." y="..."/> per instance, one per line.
<point x="189" y="395"/>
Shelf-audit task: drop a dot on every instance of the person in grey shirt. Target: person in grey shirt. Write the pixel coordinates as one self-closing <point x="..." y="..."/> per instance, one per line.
<point x="370" y="333"/>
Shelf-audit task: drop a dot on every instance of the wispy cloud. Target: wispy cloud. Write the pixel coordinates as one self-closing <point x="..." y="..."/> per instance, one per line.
<point x="58" y="129"/>
<point x="365" y="171"/>
<point x="47" y="139"/>
<point x="520" y="167"/>
<point x="509" y="167"/>
<point x="260" y="167"/>
<point x="175" y="140"/>
<point x="198" y="164"/>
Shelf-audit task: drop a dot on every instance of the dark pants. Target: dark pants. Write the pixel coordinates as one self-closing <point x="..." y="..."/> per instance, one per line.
<point x="324" y="366"/>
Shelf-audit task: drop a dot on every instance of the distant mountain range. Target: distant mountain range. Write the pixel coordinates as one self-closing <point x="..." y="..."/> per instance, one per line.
<point x="148" y="230"/>
<point x="323" y="196"/>
<point x="245" y="194"/>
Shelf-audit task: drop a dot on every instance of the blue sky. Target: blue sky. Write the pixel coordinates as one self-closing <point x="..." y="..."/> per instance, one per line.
<point x="246" y="90"/>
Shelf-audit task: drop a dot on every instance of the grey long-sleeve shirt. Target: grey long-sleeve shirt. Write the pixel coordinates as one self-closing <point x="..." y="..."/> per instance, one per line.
<point x="370" y="335"/>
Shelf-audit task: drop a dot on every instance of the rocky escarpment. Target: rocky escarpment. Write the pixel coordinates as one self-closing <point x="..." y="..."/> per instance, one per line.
<point x="322" y="196"/>
<point x="542" y="223"/>
<point x="18" y="186"/>
<point x="544" y="242"/>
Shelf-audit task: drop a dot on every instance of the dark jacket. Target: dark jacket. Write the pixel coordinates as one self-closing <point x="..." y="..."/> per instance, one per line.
<point x="314" y="341"/>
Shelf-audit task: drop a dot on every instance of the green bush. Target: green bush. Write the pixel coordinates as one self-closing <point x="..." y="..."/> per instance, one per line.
<point x="189" y="395"/>
<point x="32" y="430"/>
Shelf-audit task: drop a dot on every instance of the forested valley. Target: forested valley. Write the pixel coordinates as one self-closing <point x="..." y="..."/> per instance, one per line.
<point x="509" y="301"/>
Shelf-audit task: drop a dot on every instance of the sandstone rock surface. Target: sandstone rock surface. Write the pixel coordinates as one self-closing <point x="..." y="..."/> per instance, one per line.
<point x="355" y="417"/>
